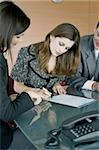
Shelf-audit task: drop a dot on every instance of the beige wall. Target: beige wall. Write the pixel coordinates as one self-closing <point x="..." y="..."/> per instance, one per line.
<point x="45" y="15"/>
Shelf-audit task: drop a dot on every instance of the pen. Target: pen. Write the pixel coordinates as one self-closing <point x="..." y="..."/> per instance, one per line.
<point x="47" y="92"/>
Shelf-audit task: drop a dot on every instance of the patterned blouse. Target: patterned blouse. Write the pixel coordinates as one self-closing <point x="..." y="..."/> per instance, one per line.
<point x="27" y="70"/>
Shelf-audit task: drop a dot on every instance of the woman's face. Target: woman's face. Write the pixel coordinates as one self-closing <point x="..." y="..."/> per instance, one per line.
<point x="16" y="39"/>
<point x="60" y="45"/>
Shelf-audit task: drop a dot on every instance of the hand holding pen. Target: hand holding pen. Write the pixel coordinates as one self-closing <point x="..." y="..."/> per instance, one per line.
<point x="38" y="95"/>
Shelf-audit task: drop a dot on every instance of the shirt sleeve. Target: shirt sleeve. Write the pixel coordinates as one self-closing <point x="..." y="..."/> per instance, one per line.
<point x="88" y="85"/>
<point x="20" y="70"/>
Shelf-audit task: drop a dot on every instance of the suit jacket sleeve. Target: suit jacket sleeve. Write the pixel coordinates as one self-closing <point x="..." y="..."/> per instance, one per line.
<point x="10" y="110"/>
<point x="76" y="82"/>
<point x="82" y="74"/>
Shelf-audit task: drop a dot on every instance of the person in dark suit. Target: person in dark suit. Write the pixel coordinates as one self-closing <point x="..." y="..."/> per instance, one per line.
<point x="88" y="72"/>
<point x="13" y="23"/>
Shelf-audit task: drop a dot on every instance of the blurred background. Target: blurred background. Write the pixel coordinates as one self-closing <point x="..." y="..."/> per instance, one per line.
<point x="46" y="14"/>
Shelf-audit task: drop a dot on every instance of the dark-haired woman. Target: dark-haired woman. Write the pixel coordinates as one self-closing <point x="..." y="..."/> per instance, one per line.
<point x="13" y="23"/>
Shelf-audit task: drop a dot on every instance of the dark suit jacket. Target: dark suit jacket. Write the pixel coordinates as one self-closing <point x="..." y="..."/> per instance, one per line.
<point x="87" y="65"/>
<point x="9" y="110"/>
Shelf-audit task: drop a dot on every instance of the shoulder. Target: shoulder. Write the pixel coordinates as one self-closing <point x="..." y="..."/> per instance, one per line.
<point x="86" y="42"/>
<point x="28" y="51"/>
<point x="1" y="57"/>
<point x="2" y="60"/>
<point x="25" y="50"/>
<point x="86" y="38"/>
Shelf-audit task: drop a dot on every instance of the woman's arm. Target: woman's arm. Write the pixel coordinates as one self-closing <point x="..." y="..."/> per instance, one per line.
<point x="10" y="110"/>
<point x="36" y="93"/>
<point x="20" y="87"/>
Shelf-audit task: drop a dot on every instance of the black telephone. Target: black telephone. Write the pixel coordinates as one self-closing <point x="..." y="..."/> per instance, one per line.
<point x="82" y="128"/>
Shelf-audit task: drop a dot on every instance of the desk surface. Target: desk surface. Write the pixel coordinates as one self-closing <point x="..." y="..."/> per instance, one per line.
<point x="50" y="119"/>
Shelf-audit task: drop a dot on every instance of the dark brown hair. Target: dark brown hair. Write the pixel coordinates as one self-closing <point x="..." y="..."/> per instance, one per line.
<point x="67" y="63"/>
<point x="13" y="21"/>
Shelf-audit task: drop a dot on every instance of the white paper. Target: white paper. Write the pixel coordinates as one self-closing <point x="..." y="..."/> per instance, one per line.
<point x="71" y="100"/>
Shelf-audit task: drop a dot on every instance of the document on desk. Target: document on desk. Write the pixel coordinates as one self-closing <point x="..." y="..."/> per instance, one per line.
<point x="71" y="100"/>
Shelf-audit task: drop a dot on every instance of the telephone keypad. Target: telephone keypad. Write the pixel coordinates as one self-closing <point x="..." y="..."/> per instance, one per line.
<point x="81" y="130"/>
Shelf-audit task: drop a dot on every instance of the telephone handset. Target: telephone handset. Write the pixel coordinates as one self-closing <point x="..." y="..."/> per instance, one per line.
<point x="82" y="128"/>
